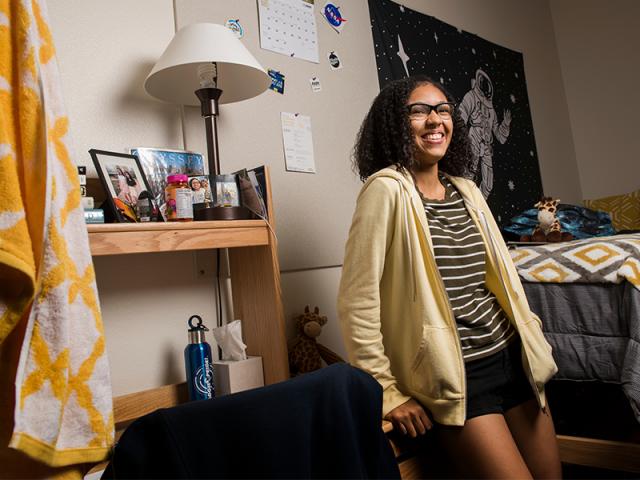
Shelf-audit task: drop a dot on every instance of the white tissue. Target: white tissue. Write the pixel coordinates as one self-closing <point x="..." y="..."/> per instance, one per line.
<point x="229" y="339"/>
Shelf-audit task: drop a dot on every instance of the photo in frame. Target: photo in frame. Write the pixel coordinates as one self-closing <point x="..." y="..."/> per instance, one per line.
<point x="226" y="192"/>
<point x="124" y="183"/>
<point x="201" y="189"/>
<point x="158" y="163"/>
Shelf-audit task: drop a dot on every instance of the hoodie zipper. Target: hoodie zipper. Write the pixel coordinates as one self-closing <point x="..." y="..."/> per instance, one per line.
<point x="405" y="209"/>
<point x="494" y="251"/>
<point x="443" y="292"/>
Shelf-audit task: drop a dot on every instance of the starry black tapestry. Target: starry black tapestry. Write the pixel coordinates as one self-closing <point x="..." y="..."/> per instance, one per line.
<point x="490" y="89"/>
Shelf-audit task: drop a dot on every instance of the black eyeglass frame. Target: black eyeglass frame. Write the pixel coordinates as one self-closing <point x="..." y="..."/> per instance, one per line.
<point x="433" y="107"/>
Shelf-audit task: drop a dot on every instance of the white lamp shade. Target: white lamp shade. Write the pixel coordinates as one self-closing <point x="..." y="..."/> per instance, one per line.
<point x="174" y="77"/>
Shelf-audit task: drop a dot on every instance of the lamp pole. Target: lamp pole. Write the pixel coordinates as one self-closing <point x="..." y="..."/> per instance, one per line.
<point x="208" y="97"/>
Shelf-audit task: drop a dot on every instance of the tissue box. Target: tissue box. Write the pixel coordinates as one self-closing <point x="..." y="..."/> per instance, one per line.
<point x="230" y="376"/>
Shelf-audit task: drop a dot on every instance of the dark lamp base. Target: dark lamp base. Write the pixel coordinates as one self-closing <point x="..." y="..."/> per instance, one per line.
<point x="203" y="212"/>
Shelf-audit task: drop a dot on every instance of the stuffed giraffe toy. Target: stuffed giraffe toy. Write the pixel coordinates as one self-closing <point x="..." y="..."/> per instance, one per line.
<point x="305" y="354"/>
<point x="549" y="228"/>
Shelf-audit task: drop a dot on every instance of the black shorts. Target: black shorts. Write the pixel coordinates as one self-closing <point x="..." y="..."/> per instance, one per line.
<point x="497" y="383"/>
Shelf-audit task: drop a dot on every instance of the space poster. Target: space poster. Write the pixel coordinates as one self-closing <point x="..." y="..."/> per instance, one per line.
<point x="489" y="85"/>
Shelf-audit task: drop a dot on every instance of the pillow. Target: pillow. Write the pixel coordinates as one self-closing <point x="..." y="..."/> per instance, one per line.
<point x="624" y="209"/>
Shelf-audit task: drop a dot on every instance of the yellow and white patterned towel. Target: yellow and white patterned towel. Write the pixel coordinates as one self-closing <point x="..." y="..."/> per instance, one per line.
<point x="48" y="297"/>
<point x="593" y="260"/>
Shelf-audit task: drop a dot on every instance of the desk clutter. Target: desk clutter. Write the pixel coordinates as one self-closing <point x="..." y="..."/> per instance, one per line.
<point x="155" y="185"/>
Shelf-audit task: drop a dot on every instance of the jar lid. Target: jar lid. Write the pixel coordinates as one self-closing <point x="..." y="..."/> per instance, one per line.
<point x="177" y="178"/>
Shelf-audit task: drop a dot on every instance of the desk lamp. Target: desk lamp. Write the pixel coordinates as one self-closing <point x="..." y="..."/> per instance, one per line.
<point x="201" y="61"/>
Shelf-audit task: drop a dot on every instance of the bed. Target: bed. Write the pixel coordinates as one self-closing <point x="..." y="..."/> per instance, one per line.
<point x="587" y="293"/>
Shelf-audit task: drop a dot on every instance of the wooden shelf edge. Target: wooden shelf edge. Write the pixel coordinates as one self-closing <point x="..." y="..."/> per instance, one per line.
<point x="155" y="226"/>
<point x="122" y="239"/>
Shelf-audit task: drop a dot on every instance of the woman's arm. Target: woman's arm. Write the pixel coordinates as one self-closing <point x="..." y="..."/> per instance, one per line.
<point x="371" y="232"/>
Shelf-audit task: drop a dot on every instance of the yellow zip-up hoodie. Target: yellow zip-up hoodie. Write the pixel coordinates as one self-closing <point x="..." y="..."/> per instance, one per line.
<point x="396" y="319"/>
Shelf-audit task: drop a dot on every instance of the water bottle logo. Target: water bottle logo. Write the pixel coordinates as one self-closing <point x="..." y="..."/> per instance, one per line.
<point x="204" y="379"/>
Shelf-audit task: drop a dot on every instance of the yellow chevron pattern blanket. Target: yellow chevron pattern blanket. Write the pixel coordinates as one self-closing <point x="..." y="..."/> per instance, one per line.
<point x="591" y="260"/>
<point x="48" y="298"/>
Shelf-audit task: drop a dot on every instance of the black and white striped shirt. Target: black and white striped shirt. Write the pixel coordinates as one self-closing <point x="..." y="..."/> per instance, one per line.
<point x="483" y="327"/>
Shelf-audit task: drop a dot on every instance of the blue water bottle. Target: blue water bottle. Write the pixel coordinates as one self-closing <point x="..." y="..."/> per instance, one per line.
<point x="197" y="360"/>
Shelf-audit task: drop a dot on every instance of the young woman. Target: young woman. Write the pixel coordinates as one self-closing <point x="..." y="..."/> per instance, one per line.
<point x="430" y="303"/>
<point x="198" y="193"/>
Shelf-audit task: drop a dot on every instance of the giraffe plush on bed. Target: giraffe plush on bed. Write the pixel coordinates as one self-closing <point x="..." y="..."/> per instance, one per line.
<point x="549" y="228"/>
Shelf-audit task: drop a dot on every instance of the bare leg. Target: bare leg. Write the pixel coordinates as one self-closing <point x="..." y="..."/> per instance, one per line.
<point x="535" y="436"/>
<point x="484" y="448"/>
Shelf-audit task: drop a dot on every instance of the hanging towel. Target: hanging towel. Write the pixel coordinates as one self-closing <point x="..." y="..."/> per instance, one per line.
<point x="48" y="298"/>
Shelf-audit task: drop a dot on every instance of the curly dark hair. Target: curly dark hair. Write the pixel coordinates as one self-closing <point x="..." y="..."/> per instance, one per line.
<point x="385" y="137"/>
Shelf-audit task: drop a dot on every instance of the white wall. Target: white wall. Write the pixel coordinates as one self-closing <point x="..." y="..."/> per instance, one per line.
<point x="598" y="44"/>
<point x="104" y="51"/>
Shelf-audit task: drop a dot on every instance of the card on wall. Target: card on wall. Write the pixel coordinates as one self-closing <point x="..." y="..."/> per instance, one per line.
<point x="298" y="143"/>
<point x="315" y="84"/>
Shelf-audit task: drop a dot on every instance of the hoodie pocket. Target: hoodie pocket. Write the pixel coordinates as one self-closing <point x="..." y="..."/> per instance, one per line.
<point x="436" y="369"/>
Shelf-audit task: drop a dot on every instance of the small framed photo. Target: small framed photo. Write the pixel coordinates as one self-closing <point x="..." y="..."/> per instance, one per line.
<point x="201" y="189"/>
<point x="123" y="181"/>
<point x="226" y="193"/>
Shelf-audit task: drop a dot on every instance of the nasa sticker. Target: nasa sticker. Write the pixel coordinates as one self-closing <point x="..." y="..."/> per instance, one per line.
<point x="315" y="84"/>
<point x="235" y="27"/>
<point x="332" y="15"/>
<point x="334" y="61"/>
<point x="277" y="81"/>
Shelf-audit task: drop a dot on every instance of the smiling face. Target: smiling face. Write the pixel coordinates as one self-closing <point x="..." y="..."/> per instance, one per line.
<point x="432" y="135"/>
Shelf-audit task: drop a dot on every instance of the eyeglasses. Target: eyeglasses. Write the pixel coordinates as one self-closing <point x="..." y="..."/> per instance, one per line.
<point x="420" y="111"/>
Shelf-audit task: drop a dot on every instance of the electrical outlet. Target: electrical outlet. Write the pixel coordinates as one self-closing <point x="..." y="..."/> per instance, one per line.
<point x="205" y="264"/>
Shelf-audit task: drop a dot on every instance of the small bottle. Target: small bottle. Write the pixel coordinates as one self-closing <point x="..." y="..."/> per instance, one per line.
<point x="198" y="363"/>
<point x="177" y="195"/>
<point x="144" y="207"/>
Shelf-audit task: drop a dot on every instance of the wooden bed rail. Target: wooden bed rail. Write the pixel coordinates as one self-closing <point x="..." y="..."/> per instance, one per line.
<point x="588" y="452"/>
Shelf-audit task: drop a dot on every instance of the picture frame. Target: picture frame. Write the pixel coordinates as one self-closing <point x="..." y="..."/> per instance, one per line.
<point x="225" y="190"/>
<point x="123" y="181"/>
<point x="201" y="188"/>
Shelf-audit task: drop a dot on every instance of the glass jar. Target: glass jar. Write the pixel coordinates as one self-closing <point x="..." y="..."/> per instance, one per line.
<point x="177" y="195"/>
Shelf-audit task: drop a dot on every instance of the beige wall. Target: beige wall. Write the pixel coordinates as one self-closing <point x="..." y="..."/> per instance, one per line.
<point x="104" y="52"/>
<point x="598" y="44"/>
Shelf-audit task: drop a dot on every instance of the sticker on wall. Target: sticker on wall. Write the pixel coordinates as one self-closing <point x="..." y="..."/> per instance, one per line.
<point x="277" y="81"/>
<point x="334" y="61"/>
<point x="235" y="27"/>
<point x="331" y="13"/>
<point x="315" y="84"/>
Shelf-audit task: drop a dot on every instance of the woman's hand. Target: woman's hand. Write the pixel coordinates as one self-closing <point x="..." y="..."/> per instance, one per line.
<point x="410" y="418"/>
